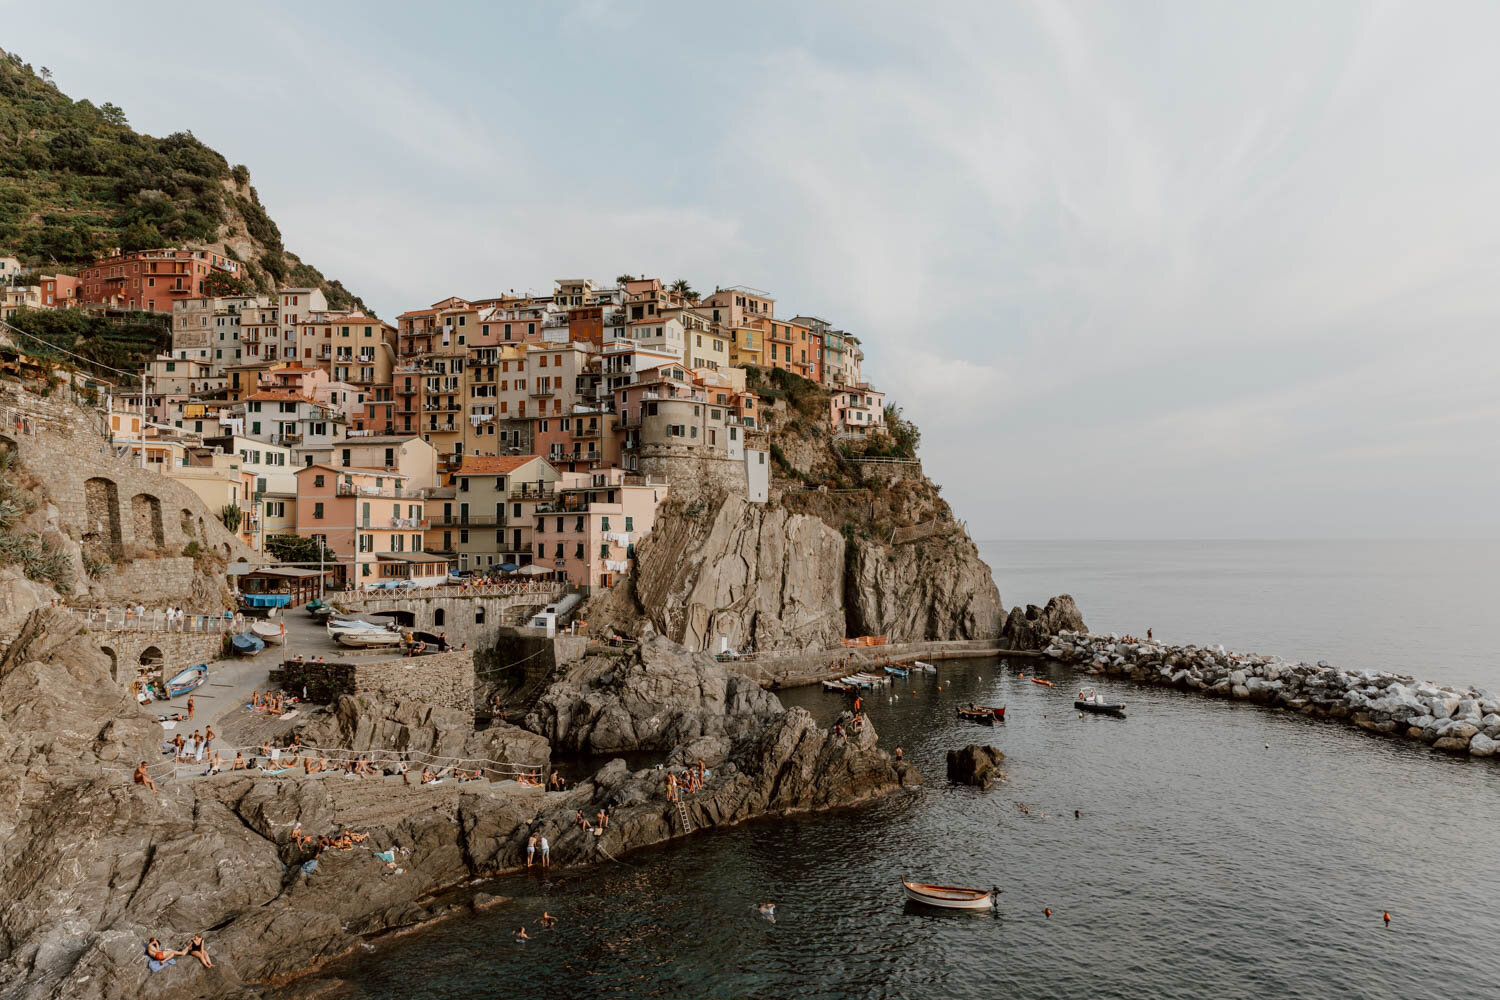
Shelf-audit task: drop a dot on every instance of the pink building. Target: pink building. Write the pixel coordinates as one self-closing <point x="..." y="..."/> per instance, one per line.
<point x="591" y="527"/>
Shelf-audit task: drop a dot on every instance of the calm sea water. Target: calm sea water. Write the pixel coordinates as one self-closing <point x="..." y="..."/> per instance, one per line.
<point x="1222" y="850"/>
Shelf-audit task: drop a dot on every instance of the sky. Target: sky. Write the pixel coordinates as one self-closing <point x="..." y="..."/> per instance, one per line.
<point x="1137" y="270"/>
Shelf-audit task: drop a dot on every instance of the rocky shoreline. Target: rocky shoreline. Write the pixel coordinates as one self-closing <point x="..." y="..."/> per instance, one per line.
<point x="1453" y="720"/>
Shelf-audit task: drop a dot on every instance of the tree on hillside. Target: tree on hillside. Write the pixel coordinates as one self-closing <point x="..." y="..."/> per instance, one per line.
<point x="902" y="431"/>
<point x="114" y="114"/>
<point x="141" y="235"/>
<point x="219" y="283"/>
<point x="623" y="278"/>
<point x="296" y="549"/>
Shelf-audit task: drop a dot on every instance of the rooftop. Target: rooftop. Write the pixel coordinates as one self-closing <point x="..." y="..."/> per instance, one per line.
<point x="493" y="465"/>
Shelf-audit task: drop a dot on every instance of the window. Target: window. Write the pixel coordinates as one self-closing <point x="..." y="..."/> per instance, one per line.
<point x="479" y="614"/>
<point x="317" y="512"/>
<point x="629" y="523"/>
<point x="438" y="616"/>
<point x="578" y="552"/>
<point x="604" y="523"/>
<point x="604" y="550"/>
<point x="559" y="550"/>
<point x="317" y="480"/>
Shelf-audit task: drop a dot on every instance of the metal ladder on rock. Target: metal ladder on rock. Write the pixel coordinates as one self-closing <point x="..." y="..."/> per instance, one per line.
<point x="687" y="824"/>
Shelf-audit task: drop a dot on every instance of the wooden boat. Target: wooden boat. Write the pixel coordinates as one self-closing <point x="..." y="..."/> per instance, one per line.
<point x="318" y="609"/>
<point x="247" y="643"/>
<point x="977" y="714"/>
<point x="362" y="638"/>
<point x="270" y="632"/>
<point x="1089" y="701"/>
<point x="188" y="680"/>
<point x="838" y="686"/>
<point x="949" y="897"/>
<point x="897" y="671"/>
<point x="998" y="711"/>
<point x="1043" y="682"/>
<point x="337" y="625"/>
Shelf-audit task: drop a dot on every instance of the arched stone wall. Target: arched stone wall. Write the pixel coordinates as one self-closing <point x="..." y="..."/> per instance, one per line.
<point x="145" y="517"/>
<point x="114" y="663"/>
<point x="101" y="500"/>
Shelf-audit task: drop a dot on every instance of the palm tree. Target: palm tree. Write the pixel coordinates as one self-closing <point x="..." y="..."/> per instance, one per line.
<point x="681" y="287"/>
<point x="624" y="278"/>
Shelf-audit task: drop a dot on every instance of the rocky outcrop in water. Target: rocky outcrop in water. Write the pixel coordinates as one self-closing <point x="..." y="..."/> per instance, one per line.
<point x="1034" y="627"/>
<point x="653" y="697"/>
<point x="1456" y="720"/>
<point x="975" y="765"/>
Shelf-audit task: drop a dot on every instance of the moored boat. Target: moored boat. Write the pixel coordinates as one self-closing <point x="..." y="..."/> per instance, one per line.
<point x="1089" y="700"/>
<point x="897" y="671"/>
<point x="924" y="665"/>
<point x="318" y="609"/>
<point x="838" y="686"/>
<point x="263" y="605"/>
<point x="247" y="643"/>
<point x="976" y="713"/>
<point x="949" y="897"/>
<point x="998" y="711"/>
<point x="187" y="680"/>
<point x="274" y="632"/>
<point x="1042" y="681"/>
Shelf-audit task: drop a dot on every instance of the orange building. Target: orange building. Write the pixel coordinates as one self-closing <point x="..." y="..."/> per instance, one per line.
<point x="150" y="280"/>
<point x="59" y="291"/>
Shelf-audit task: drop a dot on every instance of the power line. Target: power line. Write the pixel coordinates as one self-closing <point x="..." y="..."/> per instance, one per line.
<point x="64" y="350"/>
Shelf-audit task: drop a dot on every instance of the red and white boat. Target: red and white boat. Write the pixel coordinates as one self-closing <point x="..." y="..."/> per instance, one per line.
<point x="949" y="897"/>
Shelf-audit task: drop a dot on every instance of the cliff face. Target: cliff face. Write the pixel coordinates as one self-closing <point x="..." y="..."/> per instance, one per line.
<point x="759" y="576"/>
<point x="844" y="548"/>
<point x="933" y="588"/>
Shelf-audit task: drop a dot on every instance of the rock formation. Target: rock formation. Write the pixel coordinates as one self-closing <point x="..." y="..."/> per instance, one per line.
<point x="95" y="864"/>
<point x="653" y="697"/>
<point x="1035" y="627"/>
<point x="932" y="588"/>
<point x="755" y="575"/>
<point x="1462" y="721"/>
<point x="975" y="765"/>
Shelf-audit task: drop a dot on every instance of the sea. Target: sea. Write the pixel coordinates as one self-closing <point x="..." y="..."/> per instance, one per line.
<point x="1194" y="849"/>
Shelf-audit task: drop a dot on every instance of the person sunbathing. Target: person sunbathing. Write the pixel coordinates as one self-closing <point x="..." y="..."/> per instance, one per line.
<point x="239" y="762"/>
<point x="428" y="777"/>
<point x="157" y="953"/>
<point x="142" y="778"/>
<point x="363" y="767"/>
<point x="310" y="766"/>
<point x="215" y="763"/>
<point x="358" y="838"/>
<point x="405" y="773"/>
<point x="255" y="702"/>
<point x="198" y="950"/>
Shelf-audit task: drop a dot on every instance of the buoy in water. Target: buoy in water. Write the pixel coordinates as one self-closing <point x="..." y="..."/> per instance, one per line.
<point x="1388" y="918"/>
<point x="1048" y="912"/>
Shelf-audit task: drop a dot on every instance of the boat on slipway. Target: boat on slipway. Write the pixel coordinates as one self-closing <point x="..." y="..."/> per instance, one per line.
<point x="363" y="638"/>
<point x="247" y="644"/>
<point x="949" y="897"/>
<point x="187" y="680"/>
<point x="272" y="632"/>
<point x="896" y="671"/>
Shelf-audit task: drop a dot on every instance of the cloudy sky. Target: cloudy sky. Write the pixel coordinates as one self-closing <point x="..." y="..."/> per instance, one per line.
<point x="1138" y="270"/>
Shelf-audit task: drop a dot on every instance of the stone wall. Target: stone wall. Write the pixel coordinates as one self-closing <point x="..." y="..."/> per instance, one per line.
<point x="177" y="652"/>
<point x="475" y="620"/>
<point x="693" y="472"/>
<point x="144" y="579"/>
<point x="445" y="679"/>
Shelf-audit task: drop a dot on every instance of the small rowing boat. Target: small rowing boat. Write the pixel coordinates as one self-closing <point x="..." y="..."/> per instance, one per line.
<point x="1041" y="681"/>
<point x="319" y="609"/>
<point x="977" y="713"/>
<point x="897" y="671"/>
<point x="188" y="680"/>
<point x="1090" y="701"/>
<point x="923" y="665"/>
<point x="998" y="711"/>
<point x="274" y="632"/>
<point x="364" y="638"/>
<point x="838" y="686"/>
<point x="247" y="644"/>
<point x="949" y="897"/>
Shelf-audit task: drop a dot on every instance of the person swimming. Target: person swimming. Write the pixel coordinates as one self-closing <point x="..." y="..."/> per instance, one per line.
<point x="767" y="910"/>
<point x="521" y="934"/>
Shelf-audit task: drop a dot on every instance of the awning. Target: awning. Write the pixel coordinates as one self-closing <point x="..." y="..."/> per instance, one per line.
<point x="535" y="570"/>
<point x="508" y="567"/>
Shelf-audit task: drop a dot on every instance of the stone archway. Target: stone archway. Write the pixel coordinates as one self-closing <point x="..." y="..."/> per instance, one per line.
<point x="152" y="656"/>
<point x="437" y="617"/>
<point x="101" y="503"/>
<point x="114" y="663"/>
<point x="145" y="517"/>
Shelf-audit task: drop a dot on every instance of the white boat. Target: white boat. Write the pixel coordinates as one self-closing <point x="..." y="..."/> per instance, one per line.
<point x="923" y="665"/>
<point x="835" y="686"/>
<point x="354" y="625"/>
<point x="269" y="631"/>
<point x="949" y="897"/>
<point x="367" y="637"/>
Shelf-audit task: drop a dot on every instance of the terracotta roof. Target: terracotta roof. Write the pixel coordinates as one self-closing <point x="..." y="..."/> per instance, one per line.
<point x="492" y="465"/>
<point x="282" y="396"/>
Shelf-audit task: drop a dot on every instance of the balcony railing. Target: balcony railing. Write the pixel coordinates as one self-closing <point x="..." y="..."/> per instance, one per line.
<point x="379" y="492"/>
<point x="541" y="393"/>
<point x="458" y="519"/>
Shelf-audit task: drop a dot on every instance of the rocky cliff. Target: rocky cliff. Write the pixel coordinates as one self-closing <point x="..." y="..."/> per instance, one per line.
<point x="94" y="864"/>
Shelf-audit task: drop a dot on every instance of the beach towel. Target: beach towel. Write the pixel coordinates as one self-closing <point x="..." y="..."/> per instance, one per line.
<point x="279" y="770"/>
<point x="308" y="867"/>
<point x="154" y="965"/>
<point x="169" y="725"/>
<point x="389" y="857"/>
<point x="290" y="715"/>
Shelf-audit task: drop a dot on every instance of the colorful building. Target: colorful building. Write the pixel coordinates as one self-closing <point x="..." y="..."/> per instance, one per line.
<point x="369" y="519"/>
<point x="151" y="280"/>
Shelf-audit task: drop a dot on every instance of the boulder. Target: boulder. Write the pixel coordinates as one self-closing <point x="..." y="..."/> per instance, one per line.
<point x="1451" y="744"/>
<point x="1034" y="627"/>
<point x="1481" y="745"/>
<point x="975" y="765"/>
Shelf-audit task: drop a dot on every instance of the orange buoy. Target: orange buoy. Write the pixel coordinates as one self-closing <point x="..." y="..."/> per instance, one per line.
<point x="1048" y="912"/>
<point x="1388" y="918"/>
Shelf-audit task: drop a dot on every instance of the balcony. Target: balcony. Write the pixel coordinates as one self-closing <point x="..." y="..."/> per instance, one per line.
<point x="587" y="432"/>
<point x="458" y="519"/>
<point x="379" y="492"/>
<point x="541" y="393"/>
<point x="447" y="428"/>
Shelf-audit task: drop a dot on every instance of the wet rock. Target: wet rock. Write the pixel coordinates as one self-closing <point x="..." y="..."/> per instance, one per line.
<point x="1481" y="745"/>
<point x="975" y="765"/>
<point x="1034" y="627"/>
<point x="1451" y="744"/>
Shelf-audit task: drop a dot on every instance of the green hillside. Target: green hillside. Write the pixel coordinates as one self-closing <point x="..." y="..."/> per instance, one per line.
<point x="77" y="181"/>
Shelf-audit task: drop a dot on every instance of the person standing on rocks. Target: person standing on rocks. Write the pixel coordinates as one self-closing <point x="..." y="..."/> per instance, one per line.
<point x="530" y="850"/>
<point x="142" y="778"/>
<point x="546" y="853"/>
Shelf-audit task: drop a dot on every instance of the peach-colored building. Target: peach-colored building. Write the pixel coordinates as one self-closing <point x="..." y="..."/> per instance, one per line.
<point x="59" y="291"/>
<point x="590" y="529"/>
<point x="856" y="409"/>
<point x="370" y="519"/>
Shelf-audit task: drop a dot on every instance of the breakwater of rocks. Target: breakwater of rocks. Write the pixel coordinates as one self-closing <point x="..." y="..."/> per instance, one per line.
<point x="1459" y="721"/>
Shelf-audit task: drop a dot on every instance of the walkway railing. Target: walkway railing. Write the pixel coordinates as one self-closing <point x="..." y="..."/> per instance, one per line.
<point x="121" y="620"/>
